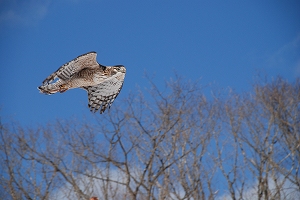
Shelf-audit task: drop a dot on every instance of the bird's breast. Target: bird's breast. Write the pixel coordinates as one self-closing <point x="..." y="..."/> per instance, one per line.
<point x="99" y="77"/>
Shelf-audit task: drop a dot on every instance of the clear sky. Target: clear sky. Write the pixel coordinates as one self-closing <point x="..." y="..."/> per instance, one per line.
<point x="222" y="42"/>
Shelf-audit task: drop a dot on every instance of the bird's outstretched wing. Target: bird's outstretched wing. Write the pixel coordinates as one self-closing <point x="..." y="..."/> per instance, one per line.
<point x="66" y="71"/>
<point x="103" y="95"/>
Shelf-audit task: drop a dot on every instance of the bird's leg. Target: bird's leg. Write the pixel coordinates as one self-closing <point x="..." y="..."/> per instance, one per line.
<point x="63" y="88"/>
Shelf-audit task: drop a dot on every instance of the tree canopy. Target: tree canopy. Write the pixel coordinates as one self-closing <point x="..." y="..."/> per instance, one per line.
<point x="171" y="143"/>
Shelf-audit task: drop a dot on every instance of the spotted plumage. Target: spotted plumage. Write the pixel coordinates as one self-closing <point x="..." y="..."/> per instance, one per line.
<point x="103" y="83"/>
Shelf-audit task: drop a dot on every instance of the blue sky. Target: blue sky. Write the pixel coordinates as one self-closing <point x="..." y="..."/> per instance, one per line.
<point x="223" y="42"/>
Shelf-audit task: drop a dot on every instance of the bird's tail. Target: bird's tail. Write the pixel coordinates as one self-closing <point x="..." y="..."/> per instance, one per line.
<point x="53" y="88"/>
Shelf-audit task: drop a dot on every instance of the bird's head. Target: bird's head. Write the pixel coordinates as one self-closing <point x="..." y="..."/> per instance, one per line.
<point x="119" y="68"/>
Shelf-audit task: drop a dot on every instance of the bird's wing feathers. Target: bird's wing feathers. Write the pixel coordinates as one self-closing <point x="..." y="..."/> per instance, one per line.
<point x="103" y="95"/>
<point x="66" y="71"/>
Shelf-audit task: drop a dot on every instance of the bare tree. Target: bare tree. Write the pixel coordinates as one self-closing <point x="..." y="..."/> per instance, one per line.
<point x="169" y="143"/>
<point x="264" y="124"/>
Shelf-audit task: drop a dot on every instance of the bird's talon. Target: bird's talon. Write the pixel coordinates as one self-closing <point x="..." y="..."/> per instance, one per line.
<point x="63" y="88"/>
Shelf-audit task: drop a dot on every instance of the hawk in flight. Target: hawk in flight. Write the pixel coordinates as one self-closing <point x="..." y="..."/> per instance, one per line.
<point x="102" y="83"/>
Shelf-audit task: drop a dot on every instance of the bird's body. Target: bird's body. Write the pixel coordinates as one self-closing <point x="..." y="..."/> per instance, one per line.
<point x="103" y="83"/>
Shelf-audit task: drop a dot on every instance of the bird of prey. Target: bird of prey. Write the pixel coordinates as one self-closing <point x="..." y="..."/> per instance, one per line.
<point x="102" y="83"/>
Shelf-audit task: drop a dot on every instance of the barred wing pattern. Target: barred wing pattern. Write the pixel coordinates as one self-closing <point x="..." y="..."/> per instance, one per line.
<point x="103" y="95"/>
<point x="66" y="71"/>
<point x="103" y="83"/>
